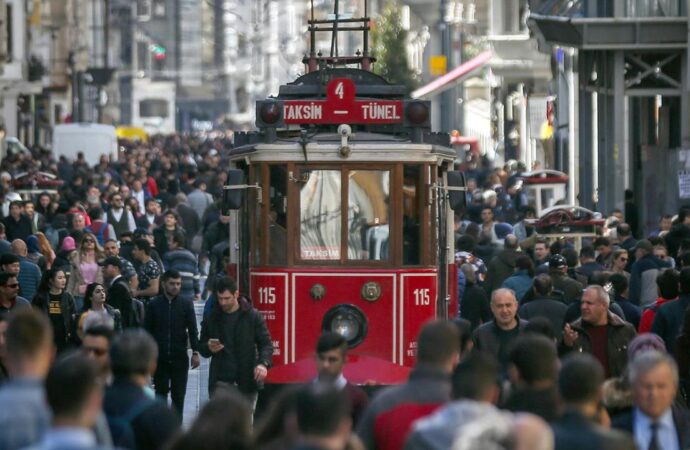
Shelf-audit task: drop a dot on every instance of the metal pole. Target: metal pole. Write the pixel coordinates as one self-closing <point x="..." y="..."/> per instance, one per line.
<point x="571" y="130"/>
<point x="448" y="97"/>
<point x="595" y="143"/>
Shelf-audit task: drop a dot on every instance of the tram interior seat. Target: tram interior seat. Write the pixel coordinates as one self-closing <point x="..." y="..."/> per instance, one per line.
<point x="377" y="242"/>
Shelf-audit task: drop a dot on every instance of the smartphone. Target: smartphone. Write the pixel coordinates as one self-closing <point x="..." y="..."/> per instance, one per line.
<point x="214" y="341"/>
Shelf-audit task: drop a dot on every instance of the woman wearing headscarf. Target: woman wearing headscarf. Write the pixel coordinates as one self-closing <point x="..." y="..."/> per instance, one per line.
<point x="34" y="253"/>
<point x="62" y="260"/>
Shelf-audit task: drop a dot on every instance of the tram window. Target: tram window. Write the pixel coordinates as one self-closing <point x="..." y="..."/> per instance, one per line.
<point x="368" y="215"/>
<point x="277" y="215"/>
<point x="411" y="218"/>
<point x="320" y="216"/>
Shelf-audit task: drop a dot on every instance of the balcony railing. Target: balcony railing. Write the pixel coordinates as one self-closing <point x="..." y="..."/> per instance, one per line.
<point x="653" y="8"/>
<point x="604" y="8"/>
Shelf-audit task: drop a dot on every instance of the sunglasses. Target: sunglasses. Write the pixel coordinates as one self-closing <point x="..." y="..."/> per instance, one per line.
<point x="12" y="286"/>
<point x="96" y="351"/>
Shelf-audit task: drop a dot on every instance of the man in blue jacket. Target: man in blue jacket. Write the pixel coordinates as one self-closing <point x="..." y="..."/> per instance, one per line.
<point x="643" y="274"/>
<point x="171" y="321"/>
<point x="184" y="261"/>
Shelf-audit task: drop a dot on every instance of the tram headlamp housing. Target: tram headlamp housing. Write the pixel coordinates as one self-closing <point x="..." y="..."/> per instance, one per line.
<point x="270" y="114"/>
<point x="417" y="113"/>
<point x="348" y="321"/>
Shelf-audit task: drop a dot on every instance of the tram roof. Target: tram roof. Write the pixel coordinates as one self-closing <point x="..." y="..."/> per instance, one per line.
<point x="365" y="146"/>
<point x="369" y="85"/>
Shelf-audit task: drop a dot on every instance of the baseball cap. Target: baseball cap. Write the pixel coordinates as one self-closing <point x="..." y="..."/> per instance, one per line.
<point x="557" y="262"/>
<point x="111" y="261"/>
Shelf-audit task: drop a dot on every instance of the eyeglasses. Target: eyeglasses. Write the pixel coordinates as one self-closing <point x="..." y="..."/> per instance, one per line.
<point x="95" y="350"/>
<point x="89" y="241"/>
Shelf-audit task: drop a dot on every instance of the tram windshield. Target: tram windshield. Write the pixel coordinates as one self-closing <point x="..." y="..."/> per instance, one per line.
<point x="354" y="215"/>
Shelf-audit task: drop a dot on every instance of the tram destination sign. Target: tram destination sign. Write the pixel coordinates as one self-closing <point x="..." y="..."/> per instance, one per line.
<point x="342" y="106"/>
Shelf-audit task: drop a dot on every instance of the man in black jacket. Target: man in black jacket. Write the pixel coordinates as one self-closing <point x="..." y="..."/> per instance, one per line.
<point x="17" y="224"/>
<point x="544" y="304"/>
<point x="234" y="335"/>
<point x="496" y="337"/>
<point x="171" y="321"/>
<point x="668" y="319"/>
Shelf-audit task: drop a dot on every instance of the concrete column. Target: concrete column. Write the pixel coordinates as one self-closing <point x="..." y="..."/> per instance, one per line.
<point x="615" y="184"/>
<point x="604" y="132"/>
<point x="587" y="130"/>
<point x="9" y="112"/>
<point x="619" y="8"/>
<point x="524" y="150"/>
<point x="685" y="100"/>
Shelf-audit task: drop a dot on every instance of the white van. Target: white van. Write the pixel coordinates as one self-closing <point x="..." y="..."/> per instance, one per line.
<point x="93" y="139"/>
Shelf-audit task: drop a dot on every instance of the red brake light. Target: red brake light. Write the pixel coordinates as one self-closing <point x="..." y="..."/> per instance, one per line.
<point x="270" y="113"/>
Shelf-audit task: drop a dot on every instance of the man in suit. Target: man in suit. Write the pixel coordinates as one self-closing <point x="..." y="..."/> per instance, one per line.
<point x="119" y="294"/>
<point x="579" y="384"/>
<point x="654" y="422"/>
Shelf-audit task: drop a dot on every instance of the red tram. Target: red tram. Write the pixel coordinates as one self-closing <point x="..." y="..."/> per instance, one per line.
<point x="342" y="218"/>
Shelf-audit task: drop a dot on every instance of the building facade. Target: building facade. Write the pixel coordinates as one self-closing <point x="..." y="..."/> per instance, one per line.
<point x="620" y="72"/>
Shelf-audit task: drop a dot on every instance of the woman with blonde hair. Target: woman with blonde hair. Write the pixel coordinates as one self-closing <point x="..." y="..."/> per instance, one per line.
<point x="84" y="268"/>
<point x="46" y="249"/>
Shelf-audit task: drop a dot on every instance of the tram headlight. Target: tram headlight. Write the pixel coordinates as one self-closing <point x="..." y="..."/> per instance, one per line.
<point x="348" y="321"/>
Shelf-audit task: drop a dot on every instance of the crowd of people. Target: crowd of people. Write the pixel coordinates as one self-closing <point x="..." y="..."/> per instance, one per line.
<point x="552" y="346"/>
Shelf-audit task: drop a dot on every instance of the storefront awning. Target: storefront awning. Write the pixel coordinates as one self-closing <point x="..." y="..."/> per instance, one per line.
<point x="447" y="81"/>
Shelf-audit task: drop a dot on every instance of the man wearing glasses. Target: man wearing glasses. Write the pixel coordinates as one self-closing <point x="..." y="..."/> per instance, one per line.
<point x="10" y="300"/>
<point x="120" y="218"/>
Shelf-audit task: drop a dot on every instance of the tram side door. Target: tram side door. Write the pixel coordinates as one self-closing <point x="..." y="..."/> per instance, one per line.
<point x="232" y="257"/>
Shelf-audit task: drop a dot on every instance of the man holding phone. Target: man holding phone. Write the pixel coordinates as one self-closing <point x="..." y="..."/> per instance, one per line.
<point x="234" y="335"/>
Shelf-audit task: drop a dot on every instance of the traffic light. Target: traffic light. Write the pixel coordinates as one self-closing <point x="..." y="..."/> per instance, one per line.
<point x="159" y="52"/>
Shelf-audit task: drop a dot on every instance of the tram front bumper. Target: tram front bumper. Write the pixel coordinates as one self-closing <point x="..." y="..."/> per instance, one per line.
<point x="360" y="369"/>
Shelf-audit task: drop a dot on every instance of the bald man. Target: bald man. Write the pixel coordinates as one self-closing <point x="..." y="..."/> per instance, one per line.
<point x="29" y="276"/>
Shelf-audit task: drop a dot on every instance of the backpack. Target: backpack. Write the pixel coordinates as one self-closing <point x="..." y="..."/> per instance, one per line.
<point x="121" y="429"/>
<point x="100" y="234"/>
<point x="139" y="312"/>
